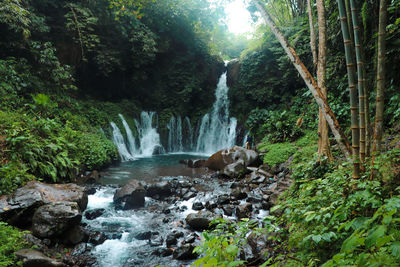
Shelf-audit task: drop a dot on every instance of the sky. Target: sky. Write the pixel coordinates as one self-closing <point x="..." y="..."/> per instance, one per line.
<point x="238" y="18"/>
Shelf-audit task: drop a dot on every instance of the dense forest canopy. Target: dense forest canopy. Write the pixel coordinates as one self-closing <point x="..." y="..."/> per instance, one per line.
<point x="315" y="82"/>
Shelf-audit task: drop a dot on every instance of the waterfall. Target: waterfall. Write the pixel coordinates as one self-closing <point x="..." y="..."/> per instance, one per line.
<point x="188" y="133"/>
<point x="174" y="127"/>
<point x="119" y="142"/>
<point x="217" y="130"/>
<point x="129" y="135"/>
<point x="149" y="139"/>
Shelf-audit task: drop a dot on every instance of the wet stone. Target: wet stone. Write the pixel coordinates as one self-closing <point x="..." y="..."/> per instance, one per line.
<point x="93" y="214"/>
<point x="223" y="199"/>
<point x="144" y="235"/>
<point x="162" y="252"/>
<point x="228" y="210"/>
<point x="184" y="252"/>
<point x="97" y="238"/>
<point x="156" y="241"/>
<point x="197" y="206"/>
<point x="210" y="205"/>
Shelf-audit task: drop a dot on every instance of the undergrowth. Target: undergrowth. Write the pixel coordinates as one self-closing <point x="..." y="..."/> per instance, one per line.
<point x="10" y="241"/>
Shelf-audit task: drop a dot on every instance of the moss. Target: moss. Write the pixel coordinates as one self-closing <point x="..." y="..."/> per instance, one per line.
<point x="10" y="241"/>
<point x="277" y="153"/>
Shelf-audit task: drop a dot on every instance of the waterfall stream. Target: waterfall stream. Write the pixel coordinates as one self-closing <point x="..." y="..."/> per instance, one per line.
<point x="215" y="131"/>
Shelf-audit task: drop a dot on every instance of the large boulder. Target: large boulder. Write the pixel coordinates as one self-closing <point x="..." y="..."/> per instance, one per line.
<point x="219" y="160"/>
<point x="19" y="207"/>
<point x="200" y="221"/>
<point x="159" y="190"/>
<point x="34" y="258"/>
<point x="130" y="196"/>
<point x="235" y="170"/>
<point x="54" y="219"/>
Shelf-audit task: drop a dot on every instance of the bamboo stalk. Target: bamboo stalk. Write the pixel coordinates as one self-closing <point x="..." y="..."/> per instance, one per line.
<point x="351" y="75"/>
<point x="361" y="80"/>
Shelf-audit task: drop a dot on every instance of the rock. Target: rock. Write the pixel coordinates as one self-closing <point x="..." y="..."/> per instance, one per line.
<point x="34" y="258"/>
<point x="158" y="150"/>
<point x="97" y="238"/>
<point x="191" y="238"/>
<point x="238" y="194"/>
<point x="130" y="196"/>
<point x="200" y="221"/>
<point x="184" y="252"/>
<point x="161" y="189"/>
<point x="75" y="235"/>
<point x="34" y="241"/>
<point x="189" y="195"/>
<point x="54" y="219"/>
<point x="91" y="191"/>
<point x="183" y="161"/>
<point x="90" y="178"/>
<point x="197" y="206"/>
<point x="235" y="170"/>
<point x="80" y="256"/>
<point x="144" y="235"/>
<point x="93" y="214"/>
<point x="232" y="75"/>
<point x="196" y="163"/>
<point x="244" y="211"/>
<point x="172" y="238"/>
<point x="156" y="240"/>
<point x="228" y="210"/>
<point x="18" y="208"/>
<point x="219" y="160"/>
<point x="223" y="199"/>
<point x="163" y="252"/>
<point x="210" y="205"/>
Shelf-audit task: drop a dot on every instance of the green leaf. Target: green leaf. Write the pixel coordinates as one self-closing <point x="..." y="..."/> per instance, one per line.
<point x="374" y="234"/>
<point x="395" y="247"/>
<point x="316" y="238"/>
<point x="232" y="250"/>
<point x="351" y="243"/>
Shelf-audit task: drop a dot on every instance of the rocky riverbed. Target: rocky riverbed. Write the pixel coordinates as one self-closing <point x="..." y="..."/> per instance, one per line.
<point x="143" y="223"/>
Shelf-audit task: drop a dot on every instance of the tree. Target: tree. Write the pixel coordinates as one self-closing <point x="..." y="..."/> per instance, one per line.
<point x="380" y="80"/>
<point x="361" y="79"/>
<point x="351" y="76"/>
<point x="309" y="80"/>
<point x="323" y="144"/>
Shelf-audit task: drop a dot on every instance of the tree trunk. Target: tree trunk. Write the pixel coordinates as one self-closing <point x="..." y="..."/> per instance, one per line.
<point x="341" y="139"/>
<point x="380" y="80"/>
<point x="361" y="80"/>
<point x="323" y="142"/>
<point x="351" y="74"/>
<point x="313" y="40"/>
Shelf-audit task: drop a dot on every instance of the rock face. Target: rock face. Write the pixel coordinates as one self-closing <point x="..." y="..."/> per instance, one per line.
<point x="233" y="69"/>
<point x="130" y="196"/>
<point x="54" y="219"/>
<point x="235" y="170"/>
<point x="18" y="208"/>
<point x="200" y="221"/>
<point x="34" y="258"/>
<point x="221" y="159"/>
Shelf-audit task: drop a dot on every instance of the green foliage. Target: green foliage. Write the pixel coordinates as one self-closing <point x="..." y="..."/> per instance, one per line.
<point x="276" y="153"/>
<point x="14" y="14"/>
<point x="10" y="241"/>
<point x="222" y="246"/>
<point x="13" y="175"/>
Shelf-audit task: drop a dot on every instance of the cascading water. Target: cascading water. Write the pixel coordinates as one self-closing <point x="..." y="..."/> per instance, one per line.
<point x="217" y="130"/>
<point x="119" y="142"/>
<point x="149" y="139"/>
<point x="188" y="132"/>
<point x="174" y="127"/>
<point x="129" y="135"/>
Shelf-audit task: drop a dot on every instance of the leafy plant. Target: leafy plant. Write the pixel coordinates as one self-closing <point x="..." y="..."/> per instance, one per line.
<point x="222" y="246"/>
<point x="10" y="241"/>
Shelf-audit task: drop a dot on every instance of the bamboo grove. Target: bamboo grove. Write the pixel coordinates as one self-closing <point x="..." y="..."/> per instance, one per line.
<point x="361" y="137"/>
